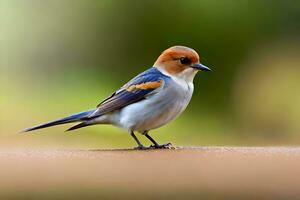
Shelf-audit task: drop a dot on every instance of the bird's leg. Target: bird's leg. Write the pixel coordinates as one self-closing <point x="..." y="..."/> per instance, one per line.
<point x="140" y="146"/>
<point x="156" y="145"/>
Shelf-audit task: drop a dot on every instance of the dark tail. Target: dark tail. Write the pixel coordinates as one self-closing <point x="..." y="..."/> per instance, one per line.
<point x="72" y="118"/>
<point x="80" y="125"/>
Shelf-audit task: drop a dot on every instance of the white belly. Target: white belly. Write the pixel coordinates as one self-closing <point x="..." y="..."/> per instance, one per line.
<point x="156" y="110"/>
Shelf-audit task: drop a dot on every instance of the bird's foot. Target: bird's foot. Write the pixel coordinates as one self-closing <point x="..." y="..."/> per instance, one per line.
<point x="163" y="146"/>
<point x="141" y="147"/>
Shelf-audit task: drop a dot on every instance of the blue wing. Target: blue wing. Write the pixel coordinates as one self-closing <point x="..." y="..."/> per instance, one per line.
<point x="135" y="90"/>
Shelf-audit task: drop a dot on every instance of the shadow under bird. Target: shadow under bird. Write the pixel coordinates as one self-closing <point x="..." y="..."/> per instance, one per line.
<point x="148" y="101"/>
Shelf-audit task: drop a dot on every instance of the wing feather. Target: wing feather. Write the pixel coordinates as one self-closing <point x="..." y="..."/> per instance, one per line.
<point x="137" y="89"/>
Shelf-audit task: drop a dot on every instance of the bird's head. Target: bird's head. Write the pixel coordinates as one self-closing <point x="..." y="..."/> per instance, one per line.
<point x="181" y="62"/>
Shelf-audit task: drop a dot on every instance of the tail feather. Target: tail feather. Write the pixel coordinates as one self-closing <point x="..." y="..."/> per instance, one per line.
<point x="72" y="118"/>
<point x="80" y="125"/>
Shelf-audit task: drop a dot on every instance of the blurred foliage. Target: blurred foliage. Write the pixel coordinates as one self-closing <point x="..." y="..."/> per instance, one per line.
<point x="60" y="57"/>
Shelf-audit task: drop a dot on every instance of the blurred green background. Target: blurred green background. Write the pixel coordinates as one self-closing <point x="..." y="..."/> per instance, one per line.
<point x="62" y="57"/>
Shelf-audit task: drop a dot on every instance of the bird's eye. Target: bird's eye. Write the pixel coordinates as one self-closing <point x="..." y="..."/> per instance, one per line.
<point x="185" y="60"/>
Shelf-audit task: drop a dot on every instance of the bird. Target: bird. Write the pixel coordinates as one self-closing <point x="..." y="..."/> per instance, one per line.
<point x="150" y="100"/>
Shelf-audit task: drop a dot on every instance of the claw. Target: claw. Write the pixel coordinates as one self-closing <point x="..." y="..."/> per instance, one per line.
<point x="163" y="146"/>
<point x="141" y="147"/>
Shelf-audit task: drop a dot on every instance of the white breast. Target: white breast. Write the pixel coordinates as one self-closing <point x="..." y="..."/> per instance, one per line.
<point x="158" y="109"/>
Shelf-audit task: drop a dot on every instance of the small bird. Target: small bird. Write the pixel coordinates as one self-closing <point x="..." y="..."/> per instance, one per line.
<point x="149" y="100"/>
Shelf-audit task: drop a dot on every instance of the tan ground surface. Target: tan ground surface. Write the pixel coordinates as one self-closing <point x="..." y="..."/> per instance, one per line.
<point x="207" y="172"/>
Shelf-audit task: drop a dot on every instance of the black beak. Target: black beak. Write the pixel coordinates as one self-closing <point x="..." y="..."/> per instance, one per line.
<point x="201" y="67"/>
